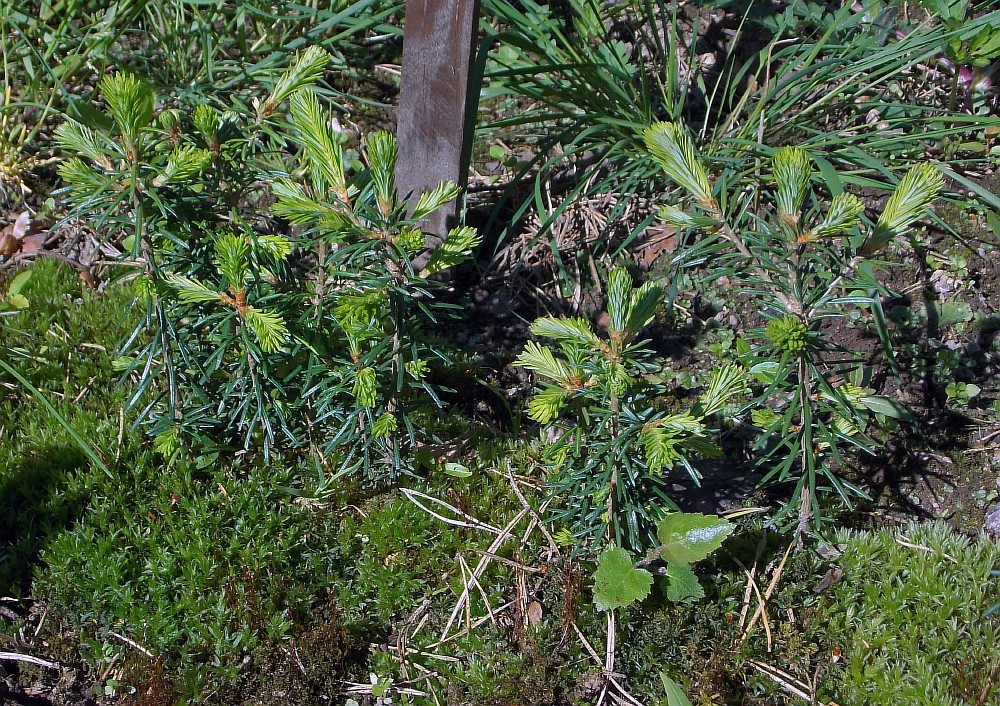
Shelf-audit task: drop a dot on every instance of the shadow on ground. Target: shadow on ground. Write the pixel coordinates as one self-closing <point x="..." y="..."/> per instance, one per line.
<point x="37" y="501"/>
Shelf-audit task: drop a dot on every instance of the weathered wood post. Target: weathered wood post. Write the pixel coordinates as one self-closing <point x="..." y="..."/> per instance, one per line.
<point x="436" y="106"/>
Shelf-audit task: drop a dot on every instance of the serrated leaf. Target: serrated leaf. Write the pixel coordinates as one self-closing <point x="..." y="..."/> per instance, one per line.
<point x="689" y="537"/>
<point x="617" y="583"/>
<point x="682" y="584"/>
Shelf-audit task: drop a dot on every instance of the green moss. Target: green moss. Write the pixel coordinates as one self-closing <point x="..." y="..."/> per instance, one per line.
<point x="62" y="344"/>
<point x="909" y="615"/>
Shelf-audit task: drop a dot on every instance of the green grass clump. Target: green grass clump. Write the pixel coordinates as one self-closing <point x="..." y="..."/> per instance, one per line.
<point x="910" y="613"/>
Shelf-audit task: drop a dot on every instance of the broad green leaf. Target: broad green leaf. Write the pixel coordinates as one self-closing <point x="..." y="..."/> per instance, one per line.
<point x="18" y="283"/>
<point x="682" y="584"/>
<point x="690" y="537"/>
<point x="457" y="470"/>
<point x="765" y="371"/>
<point x="886" y="406"/>
<point x="617" y="583"/>
<point x="675" y="695"/>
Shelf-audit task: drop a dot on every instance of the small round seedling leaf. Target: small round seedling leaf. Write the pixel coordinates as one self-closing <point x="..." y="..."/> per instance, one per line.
<point x="682" y="584"/>
<point x="690" y="537"/>
<point x="617" y="583"/>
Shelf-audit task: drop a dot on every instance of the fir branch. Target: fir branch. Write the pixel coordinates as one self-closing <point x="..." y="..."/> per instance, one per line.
<point x="543" y="362"/>
<point x="130" y="103"/>
<point x="431" y="201"/>
<point x="307" y="70"/>
<point x="671" y="146"/>
<point x="232" y="254"/>
<point x="792" y="169"/>
<point x="915" y="192"/>
<point x="566" y="330"/>
<point x="322" y="145"/>
<point x="845" y="209"/>
<point x="456" y="248"/>
<point x="268" y="327"/>
<point x="190" y="290"/>
<point x="381" y="151"/>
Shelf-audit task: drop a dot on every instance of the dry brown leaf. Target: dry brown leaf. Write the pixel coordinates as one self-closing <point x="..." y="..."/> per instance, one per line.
<point x="32" y="244"/>
<point x="22" y="225"/>
<point x="534" y="613"/>
<point x="8" y="243"/>
<point x="833" y="576"/>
